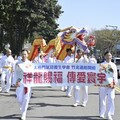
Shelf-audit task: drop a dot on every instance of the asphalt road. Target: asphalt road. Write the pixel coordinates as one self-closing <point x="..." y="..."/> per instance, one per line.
<point x="52" y="104"/>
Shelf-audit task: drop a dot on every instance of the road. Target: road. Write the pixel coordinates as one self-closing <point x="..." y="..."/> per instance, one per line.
<point x="52" y="104"/>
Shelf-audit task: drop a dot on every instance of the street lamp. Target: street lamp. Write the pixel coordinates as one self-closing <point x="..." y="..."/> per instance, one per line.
<point x="114" y="27"/>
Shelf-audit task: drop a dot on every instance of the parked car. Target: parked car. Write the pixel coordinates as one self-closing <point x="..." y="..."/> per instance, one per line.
<point x="116" y="60"/>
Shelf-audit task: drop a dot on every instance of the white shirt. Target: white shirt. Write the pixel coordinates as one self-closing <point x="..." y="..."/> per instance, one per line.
<point x="7" y="61"/>
<point x="83" y="59"/>
<point x="18" y="74"/>
<point x="69" y="59"/>
<point x="19" y="57"/>
<point x="92" y="60"/>
<point x="114" y="67"/>
<point x="51" y="60"/>
<point x="38" y="60"/>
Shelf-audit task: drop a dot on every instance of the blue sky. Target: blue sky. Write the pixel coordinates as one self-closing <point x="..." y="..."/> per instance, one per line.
<point x="91" y="14"/>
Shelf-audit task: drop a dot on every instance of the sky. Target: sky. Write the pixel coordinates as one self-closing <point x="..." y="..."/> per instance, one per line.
<point x="90" y="14"/>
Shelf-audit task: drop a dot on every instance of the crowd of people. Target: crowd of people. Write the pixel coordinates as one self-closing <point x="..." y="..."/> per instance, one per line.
<point x="11" y="76"/>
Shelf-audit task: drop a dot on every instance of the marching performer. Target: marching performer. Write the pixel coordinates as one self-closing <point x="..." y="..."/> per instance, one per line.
<point x="108" y="92"/>
<point x="7" y="65"/>
<point x="23" y="92"/>
<point x="81" y="58"/>
<point x="69" y="59"/>
<point x="15" y="61"/>
<point x="92" y="59"/>
<point x="52" y="58"/>
<point x="40" y="57"/>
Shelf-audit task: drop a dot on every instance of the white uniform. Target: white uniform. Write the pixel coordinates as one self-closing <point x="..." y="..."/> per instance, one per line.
<point x="23" y="92"/>
<point x="0" y="71"/>
<point x="38" y="59"/>
<point x="51" y="60"/>
<point x="0" y="65"/>
<point x="83" y="88"/>
<point x="13" y="78"/>
<point x="7" y="65"/>
<point x="19" y="58"/>
<point x="109" y="93"/>
<point x="92" y="60"/>
<point x="69" y="59"/>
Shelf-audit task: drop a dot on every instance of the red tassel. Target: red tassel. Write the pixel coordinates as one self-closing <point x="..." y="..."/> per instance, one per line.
<point x="25" y="90"/>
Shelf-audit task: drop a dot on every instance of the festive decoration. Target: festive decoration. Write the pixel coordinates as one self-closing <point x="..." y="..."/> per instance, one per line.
<point x="81" y="34"/>
<point x="91" y="41"/>
<point x="69" y="38"/>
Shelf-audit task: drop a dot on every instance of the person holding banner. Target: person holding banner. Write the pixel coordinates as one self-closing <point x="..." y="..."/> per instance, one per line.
<point x="108" y="92"/>
<point x="23" y="92"/>
<point x="69" y="59"/>
<point x="81" y="58"/>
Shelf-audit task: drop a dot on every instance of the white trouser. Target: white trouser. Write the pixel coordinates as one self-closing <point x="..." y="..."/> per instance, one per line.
<point x="64" y="88"/>
<point x="84" y="94"/>
<point x="23" y="99"/>
<point x="69" y="90"/>
<point x="6" y="76"/>
<point x="109" y="94"/>
<point x="13" y="79"/>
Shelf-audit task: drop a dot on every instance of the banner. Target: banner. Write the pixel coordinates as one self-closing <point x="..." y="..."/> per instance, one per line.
<point x="62" y="74"/>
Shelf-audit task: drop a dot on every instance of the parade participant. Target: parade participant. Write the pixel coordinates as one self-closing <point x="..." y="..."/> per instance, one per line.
<point x="52" y="58"/>
<point x="19" y="56"/>
<point x="40" y="57"/>
<point x="81" y="58"/>
<point x="69" y="59"/>
<point x="23" y="92"/>
<point x="7" y="65"/>
<point x="16" y="59"/>
<point x="0" y="71"/>
<point x="92" y="59"/>
<point x="109" y="91"/>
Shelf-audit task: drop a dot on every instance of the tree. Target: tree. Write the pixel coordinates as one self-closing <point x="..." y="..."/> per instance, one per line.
<point x="21" y="18"/>
<point x="106" y="39"/>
